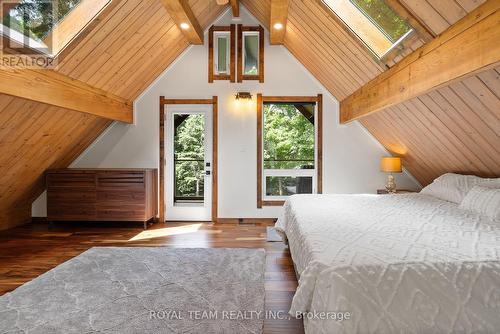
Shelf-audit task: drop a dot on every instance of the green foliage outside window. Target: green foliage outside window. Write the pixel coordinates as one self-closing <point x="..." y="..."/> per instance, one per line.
<point x="189" y="155"/>
<point x="288" y="138"/>
<point x="288" y="144"/>
<point x="384" y="17"/>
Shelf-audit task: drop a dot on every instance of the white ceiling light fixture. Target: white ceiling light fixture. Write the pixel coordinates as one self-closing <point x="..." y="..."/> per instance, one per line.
<point x="278" y="26"/>
<point x="184" y="26"/>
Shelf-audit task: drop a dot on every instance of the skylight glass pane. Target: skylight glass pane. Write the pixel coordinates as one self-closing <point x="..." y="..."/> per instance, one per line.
<point x="373" y="21"/>
<point x="37" y="18"/>
<point x="384" y="17"/>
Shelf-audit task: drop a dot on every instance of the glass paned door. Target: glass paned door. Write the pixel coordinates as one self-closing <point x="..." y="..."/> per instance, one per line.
<point x="188" y="162"/>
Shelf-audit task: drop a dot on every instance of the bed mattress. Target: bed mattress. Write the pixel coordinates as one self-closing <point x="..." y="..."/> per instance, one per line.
<point x="406" y="263"/>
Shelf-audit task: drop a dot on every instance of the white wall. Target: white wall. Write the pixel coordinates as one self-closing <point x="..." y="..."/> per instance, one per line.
<point x="351" y="154"/>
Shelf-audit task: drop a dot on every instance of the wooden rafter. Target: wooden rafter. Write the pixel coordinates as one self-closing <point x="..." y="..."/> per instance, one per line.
<point x="53" y="88"/>
<point x="279" y="17"/>
<point x="183" y="16"/>
<point x="468" y="47"/>
<point x="235" y="7"/>
<point x="422" y="30"/>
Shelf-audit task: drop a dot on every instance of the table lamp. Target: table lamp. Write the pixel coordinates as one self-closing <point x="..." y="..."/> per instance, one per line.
<point x="390" y="165"/>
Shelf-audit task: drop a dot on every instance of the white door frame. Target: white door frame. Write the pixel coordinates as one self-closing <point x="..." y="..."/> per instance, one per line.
<point x="166" y="103"/>
<point x="188" y="212"/>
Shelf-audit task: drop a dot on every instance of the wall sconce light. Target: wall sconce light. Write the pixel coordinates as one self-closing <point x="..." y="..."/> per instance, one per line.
<point x="243" y="96"/>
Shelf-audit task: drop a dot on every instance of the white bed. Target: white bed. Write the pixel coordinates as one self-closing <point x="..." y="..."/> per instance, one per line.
<point x="406" y="263"/>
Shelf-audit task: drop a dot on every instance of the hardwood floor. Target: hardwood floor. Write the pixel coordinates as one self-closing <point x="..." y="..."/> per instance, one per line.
<point x="28" y="251"/>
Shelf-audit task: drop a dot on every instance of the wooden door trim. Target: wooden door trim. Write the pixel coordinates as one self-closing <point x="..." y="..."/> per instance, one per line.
<point x="318" y="99"/>
<point x="163" y="104"/>
<point x="319" y="138"/>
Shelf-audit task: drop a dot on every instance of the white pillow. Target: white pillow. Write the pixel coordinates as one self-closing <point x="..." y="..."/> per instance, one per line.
<point x="485" y="201"/>
<point x="453" y="187"/>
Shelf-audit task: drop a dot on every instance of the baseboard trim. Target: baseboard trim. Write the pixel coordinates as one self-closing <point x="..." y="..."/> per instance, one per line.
<point x="39" y="220"/>
<point x="254" y="221"/>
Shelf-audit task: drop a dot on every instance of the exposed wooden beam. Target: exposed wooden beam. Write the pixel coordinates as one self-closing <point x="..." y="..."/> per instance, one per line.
<point x="183" y="16"/>
<point x="235" y="6"/>
<point x="50" y="87"/>
<point x="468" y="47"/>
<point x="279" y="17"/>
<point x="423" y="31"/>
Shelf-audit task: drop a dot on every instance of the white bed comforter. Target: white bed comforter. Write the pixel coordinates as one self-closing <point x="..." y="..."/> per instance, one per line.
<point x="406" y="263"/>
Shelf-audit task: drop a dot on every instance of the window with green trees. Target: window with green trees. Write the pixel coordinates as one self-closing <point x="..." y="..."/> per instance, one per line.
<point x="288" y="149"/>
<point x="36" y="18"/>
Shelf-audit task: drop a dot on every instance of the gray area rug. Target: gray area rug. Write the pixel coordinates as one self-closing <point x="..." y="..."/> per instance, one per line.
<point x="272" y="235"/>
<point x="143" y="290"/>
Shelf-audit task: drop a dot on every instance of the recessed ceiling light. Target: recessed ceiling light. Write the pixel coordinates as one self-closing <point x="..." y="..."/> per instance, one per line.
<point x="278" y="26"/>
<point x="184" y="25"/>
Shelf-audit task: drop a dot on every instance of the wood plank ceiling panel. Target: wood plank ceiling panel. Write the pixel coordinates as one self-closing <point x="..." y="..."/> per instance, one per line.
<point x="319" y="42"/>
<point x="468" y="112"/>
<point x="455" y="128"/>
<point x="126" y="51"/>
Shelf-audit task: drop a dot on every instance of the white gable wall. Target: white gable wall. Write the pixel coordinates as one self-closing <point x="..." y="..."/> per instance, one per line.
<point x="351" y="155"/>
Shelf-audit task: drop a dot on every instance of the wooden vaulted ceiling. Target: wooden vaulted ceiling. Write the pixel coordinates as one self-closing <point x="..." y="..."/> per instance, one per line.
<point x="453" y="128"/>
<point x="126" y="50"/>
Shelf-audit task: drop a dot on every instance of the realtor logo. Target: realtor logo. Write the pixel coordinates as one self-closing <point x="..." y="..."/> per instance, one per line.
<point x="26" y="29"/>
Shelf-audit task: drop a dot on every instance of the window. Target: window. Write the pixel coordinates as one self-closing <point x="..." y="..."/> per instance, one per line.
<point x="221" y="56"/>
<point x="222" y="52"/>
<point x="373" y="21"/>
<point x="289" y="147"/>
<point x="250" y="53"/>
<point x="46" y="25"/>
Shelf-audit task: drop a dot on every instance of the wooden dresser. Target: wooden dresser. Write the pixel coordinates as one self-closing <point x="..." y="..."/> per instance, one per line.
<point x="101" y="195"/>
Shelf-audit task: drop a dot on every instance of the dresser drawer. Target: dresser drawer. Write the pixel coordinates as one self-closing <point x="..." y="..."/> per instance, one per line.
<point x="71" y="195"/>
<point x="120" y="212"/>
<point x="124" y="197"/>
<point x="122" y="180"/>
<point x="71" y="180"/>
<point x="71" y="212"/>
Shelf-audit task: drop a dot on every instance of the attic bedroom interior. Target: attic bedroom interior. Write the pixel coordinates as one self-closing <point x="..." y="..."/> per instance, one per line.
<point x="250" y="166"/>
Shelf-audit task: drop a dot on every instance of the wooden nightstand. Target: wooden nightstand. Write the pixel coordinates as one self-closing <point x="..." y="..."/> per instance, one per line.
<point x="399" y="191"/>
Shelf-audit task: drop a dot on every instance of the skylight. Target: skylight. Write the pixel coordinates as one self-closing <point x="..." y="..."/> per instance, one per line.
<point x="52" y="24"/>
<point x="373" y="21"/>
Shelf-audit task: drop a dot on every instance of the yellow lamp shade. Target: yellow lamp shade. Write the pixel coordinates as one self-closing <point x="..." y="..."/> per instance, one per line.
<point x="390" y="164"/>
